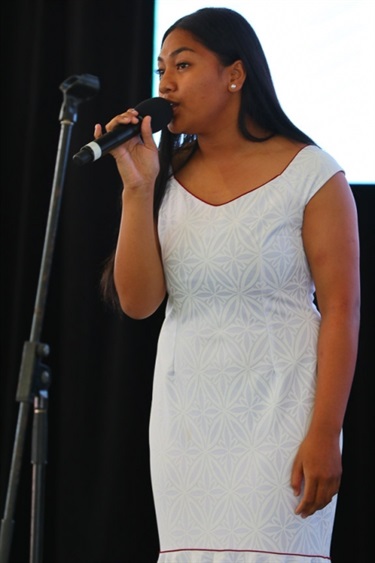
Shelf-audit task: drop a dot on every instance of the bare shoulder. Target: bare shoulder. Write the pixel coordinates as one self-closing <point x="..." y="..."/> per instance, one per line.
<point x="336" y="194"/>
<point x="330" y="226"/>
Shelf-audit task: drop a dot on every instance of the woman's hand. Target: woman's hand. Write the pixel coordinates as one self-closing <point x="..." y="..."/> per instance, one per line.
<point x="137" y="159"/>
<point x="316" y="472"/>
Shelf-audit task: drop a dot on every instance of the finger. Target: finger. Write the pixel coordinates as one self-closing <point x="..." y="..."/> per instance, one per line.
<point x="146" y="132"/>
<point x="97" y="131"/>
<point x="129" y="116"/>
<point x="296" y="478"/>
<point x="312" y="502"/>
<point x="307" y="505"/>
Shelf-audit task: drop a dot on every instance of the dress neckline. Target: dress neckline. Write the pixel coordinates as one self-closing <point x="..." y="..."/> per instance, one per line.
<point x="256" y="189"/>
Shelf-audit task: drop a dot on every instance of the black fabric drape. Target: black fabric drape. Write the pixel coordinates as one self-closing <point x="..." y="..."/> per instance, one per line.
<point x="98" y="496"/>
<point x="99" y="505"/>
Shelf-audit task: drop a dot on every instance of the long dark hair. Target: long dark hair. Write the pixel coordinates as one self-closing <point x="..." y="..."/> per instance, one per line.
<point x="230" y="36"/>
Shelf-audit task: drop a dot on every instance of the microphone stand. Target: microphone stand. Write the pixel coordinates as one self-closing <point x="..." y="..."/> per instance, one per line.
<point x="35" y="376"/>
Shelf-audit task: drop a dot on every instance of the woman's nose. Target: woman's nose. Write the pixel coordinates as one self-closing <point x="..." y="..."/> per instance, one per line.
<point x="166" y="84"/>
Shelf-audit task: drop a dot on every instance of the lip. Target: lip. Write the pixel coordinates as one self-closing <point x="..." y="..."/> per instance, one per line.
<point x="172" y="103"/>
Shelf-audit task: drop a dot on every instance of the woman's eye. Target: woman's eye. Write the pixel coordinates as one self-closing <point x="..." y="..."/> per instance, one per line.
<point x="180" y="66"/>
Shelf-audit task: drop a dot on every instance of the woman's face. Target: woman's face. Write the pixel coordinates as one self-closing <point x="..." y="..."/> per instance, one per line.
<point x="196" y="83"/>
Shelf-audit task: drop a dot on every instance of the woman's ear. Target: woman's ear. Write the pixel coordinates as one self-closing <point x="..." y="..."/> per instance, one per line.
<point x="237" y="76"/>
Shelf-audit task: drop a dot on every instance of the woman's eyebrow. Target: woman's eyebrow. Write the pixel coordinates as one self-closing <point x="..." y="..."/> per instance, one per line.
<point x="176" y="52"/>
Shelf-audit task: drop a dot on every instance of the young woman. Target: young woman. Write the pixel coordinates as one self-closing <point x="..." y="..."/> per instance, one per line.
<point x="250" y="230"/>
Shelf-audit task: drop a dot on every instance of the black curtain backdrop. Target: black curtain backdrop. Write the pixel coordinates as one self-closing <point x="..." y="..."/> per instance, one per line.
<point x="98" y="499"/>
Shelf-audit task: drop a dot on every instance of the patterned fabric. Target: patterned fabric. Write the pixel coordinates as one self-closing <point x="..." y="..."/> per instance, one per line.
<point x="235" y="374"/>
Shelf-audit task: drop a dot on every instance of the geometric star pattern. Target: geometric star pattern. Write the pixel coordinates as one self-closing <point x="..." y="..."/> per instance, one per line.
<point x="235" y="374"/>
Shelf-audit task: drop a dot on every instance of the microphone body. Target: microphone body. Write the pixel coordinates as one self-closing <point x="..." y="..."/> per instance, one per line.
<point x="161" y="114"/>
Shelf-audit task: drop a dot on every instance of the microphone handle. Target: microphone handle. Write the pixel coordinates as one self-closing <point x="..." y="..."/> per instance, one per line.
<point x="96" y="149"/>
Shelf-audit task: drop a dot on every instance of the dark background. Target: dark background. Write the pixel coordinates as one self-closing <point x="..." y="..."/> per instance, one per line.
<point x="98" y="500"/>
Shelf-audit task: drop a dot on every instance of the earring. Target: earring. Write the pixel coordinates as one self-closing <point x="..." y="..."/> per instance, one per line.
<point x="233" y="86"/>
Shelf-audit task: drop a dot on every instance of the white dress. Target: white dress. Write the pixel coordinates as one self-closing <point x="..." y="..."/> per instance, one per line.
<point x="235" y="374"/>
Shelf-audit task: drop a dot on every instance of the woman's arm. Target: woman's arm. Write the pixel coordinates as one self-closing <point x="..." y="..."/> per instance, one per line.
<point x="330" y="235"/>
<point x="138" y="270"/>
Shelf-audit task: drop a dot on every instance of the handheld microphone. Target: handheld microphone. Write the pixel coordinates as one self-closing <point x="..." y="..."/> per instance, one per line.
<point x="161" y="113"/>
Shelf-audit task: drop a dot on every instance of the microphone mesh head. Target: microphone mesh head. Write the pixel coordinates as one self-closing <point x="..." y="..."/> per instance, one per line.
<point x="160" y="111"/>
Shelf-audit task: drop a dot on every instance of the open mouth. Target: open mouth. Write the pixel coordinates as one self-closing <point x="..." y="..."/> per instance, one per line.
<point x="172" y="104"/>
